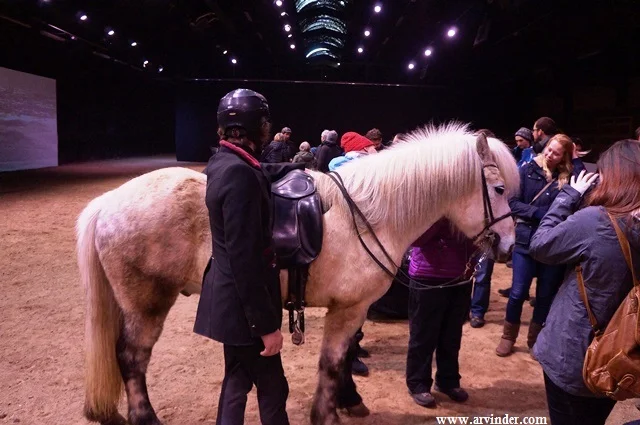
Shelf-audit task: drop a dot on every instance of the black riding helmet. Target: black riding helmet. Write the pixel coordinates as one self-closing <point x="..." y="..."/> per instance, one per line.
<point x="244" y="109"/>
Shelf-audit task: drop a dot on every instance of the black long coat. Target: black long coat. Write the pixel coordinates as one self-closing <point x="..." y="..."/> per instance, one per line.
<point x="240" y="298"/>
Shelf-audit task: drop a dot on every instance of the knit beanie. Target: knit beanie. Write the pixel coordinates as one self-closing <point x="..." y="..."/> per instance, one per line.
<point x="526" y="134"/>
<point x="353" y="142"/>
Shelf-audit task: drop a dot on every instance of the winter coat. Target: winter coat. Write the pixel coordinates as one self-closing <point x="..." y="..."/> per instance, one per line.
<point x="306" y="157"/>
<point x="528" y="216"/>
<point x="276" y="152"/>
<point x="440" y="252"/>
<point x="326" y="152"/>
<point x="586" y="238"/>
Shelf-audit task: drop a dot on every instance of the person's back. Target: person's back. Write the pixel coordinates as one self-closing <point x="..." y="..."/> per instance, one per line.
<point x="276" y="151"/>
<point x="328" y="150"/>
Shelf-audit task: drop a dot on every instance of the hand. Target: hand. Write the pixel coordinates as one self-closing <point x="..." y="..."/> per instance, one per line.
<point x="272" y="343"/>
<point x="583" y="182"/>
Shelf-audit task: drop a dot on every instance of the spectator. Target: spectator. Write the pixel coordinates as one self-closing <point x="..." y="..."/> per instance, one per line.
<point x="523" y="152"/>
<point x="286" y="138"/>
<point x="543" y="129"/>
<point x="305" y="155"/>
<point x="277" y="151"/>
<point x="328" y="149"/>
<point x="375" y="136"/>
<point x="354" y="146"/>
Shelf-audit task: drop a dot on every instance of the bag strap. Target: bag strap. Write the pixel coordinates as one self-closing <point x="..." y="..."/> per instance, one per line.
<point x="541" y="191"/>
<point x="583" y="294"/>
<point x="626" y="249"/>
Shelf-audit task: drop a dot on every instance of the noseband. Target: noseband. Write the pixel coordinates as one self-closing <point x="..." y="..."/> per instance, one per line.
<point x="489" y="218"/>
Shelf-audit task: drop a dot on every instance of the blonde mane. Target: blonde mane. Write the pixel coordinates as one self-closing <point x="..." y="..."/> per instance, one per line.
<point x="413" y="179"/>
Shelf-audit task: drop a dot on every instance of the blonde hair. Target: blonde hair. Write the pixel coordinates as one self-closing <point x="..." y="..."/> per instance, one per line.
<point x="278" y="137"/>
<point x="565" y="167"/>
<point x="305" y="146"/>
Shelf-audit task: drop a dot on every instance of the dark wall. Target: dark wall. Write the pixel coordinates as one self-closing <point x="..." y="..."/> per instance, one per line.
<point x="310" y="108"/>
<point x="104" y="109"/>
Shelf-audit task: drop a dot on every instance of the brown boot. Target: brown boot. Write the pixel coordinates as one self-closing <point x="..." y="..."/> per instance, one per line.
<point x="532" y="336"/>
<point x="508" y="339"/>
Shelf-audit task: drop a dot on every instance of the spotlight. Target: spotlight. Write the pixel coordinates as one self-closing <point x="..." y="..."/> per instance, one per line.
<point x="451" y="33"/>
<point x="160" y="68"/>
<point x="338" y="63"/>
<point x="225" y="52"/>
<point x="360" y="50"/>
<point x="411" y="65"/>
<point x="367" y="33"/>
<point x="279" y="3"/>
<point x="111" y="32"/>
<point x="283" y="14"/>
<point x="83" y="17"/>
<point x="145" y="63"/>
<point x="287" y="27"/>
<point x="134" y="44"/>
<point x="428" y="52"/>
<point x="377" y="9"/>
<point x="290" y="35"/>
<point x="293" y="46"/>
<point x="234" y="61"/>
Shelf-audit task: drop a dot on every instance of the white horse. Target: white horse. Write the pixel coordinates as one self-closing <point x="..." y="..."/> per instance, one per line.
<point x="143" y="243"/>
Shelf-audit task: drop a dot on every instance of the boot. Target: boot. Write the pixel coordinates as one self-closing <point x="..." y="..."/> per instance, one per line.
<point x="508" y="339"/>
<point x="532" y="336"/>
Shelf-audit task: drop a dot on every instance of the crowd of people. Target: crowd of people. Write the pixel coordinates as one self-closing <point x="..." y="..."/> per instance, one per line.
<point x="563" y="216"/>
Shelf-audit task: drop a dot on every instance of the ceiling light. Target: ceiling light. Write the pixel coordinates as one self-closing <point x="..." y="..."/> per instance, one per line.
<point x="451" y="33"/>
<point x="290" y="35"/>
<point x="338" y="63"/>
<point x="367" y="33"/>
<point x="411" y="65"/>
<point x="225" y="52"/>
<point x="318" y="50"/>
<point x="343" y="5"/>
<point x="83" y="17"/>
<point x="287" y="27"/>
<point x="279" y="3"/>
<point x="134" y="44"/>
<point x="283" y="14"/>
<point x="377" y="9"/>
<point x="292" y="46"/>
<point x="234" y="61"/>
<point x="360" y="50"/>
<point x="428" y="52"/>
<point x="111" y="32"/>
<point x="160" y="69"/>
<point x="145" y="63"/>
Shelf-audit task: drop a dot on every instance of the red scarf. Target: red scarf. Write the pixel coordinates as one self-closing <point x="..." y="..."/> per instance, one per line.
<point x="241" y="153"/>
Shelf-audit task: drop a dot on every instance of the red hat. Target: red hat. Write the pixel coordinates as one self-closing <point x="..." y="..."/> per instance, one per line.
<point x="353" y="142"/>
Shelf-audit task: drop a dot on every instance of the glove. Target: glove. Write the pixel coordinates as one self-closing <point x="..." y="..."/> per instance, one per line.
<point x="540" y="212"/>
<point x="583" y="182"/>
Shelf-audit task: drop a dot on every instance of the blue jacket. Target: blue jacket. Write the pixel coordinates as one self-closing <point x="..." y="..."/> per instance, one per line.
<point x="589" y="239"/>
<point x="528" y="216"/>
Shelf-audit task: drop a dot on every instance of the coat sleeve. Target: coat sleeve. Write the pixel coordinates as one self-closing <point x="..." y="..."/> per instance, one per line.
<point x="562" y="237"/>
<point x="519" y="208"/>
<point x="323" y="164"/>
<point x="244" y="239"/>
<point x="431" y="232"/>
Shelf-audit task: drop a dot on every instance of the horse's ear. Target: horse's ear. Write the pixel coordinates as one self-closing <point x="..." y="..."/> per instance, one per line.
<point x="482" y="146"/>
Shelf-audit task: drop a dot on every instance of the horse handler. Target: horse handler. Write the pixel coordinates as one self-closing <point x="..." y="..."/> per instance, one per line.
<point x="241" y="304"/>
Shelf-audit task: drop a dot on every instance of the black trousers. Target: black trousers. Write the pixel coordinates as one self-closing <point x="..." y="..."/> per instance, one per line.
<point x="436" y="317"/>
<point x="244" y="368"/>
<point x="569" y="409"/>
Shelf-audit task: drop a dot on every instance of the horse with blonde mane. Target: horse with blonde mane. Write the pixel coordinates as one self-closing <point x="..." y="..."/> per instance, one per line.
<point x="143" y="243"/>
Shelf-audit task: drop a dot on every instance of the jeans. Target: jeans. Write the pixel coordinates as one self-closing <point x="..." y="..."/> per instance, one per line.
<point x="436" y="317"/>
<point x="482" y="288"/>
<point x="549" y="280"/>
<point x="569" y="409"/>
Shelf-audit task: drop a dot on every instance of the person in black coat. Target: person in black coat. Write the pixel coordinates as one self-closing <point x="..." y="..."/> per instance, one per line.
<point x="329" y="149"/>
<point x="241" y="304"/>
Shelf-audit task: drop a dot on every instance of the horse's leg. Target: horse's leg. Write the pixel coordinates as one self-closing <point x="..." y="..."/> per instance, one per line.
<point x="341" y="324"/>
<point x="140" y="331"/>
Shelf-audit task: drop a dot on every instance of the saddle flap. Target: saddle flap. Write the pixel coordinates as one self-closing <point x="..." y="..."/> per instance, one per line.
<point x="295" y="185"/>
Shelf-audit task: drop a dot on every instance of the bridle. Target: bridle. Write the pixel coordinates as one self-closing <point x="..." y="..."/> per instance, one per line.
<point x="487" y="235"/>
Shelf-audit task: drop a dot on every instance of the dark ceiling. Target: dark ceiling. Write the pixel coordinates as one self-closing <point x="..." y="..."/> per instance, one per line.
<point x="495" y="39"/>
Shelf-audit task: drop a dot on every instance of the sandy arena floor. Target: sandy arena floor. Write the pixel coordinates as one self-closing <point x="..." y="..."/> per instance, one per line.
<point x="41" y="329"/>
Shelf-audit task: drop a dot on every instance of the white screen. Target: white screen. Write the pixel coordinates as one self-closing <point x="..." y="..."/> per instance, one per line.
<point x="28" y="126"/>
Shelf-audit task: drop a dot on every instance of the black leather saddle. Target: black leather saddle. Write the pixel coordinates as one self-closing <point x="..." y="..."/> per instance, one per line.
<point x="297" y="226"/>
<point x="297" y="236"/>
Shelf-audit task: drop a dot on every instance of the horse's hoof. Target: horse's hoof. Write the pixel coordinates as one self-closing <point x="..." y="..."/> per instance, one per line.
<point x="117" y="419"/>
<point x="358" y="411"/>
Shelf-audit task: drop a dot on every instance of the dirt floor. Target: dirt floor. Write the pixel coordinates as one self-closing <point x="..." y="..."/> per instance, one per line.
<point x="41" y="329"/>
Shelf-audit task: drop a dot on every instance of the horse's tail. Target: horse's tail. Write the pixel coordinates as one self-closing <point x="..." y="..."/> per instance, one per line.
<point x="102" y="379"/>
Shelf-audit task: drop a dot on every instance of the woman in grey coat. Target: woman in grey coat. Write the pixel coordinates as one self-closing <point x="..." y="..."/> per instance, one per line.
<point x="589" y="239"/>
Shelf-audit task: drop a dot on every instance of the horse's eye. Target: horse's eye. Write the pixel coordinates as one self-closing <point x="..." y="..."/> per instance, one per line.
<point x="499" y="190"/>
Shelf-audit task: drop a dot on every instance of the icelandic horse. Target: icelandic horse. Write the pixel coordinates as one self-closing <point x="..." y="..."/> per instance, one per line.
<point x="143" y="243"/>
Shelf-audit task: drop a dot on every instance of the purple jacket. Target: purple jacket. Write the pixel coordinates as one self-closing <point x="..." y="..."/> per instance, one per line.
<point x="440" y="252"/>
